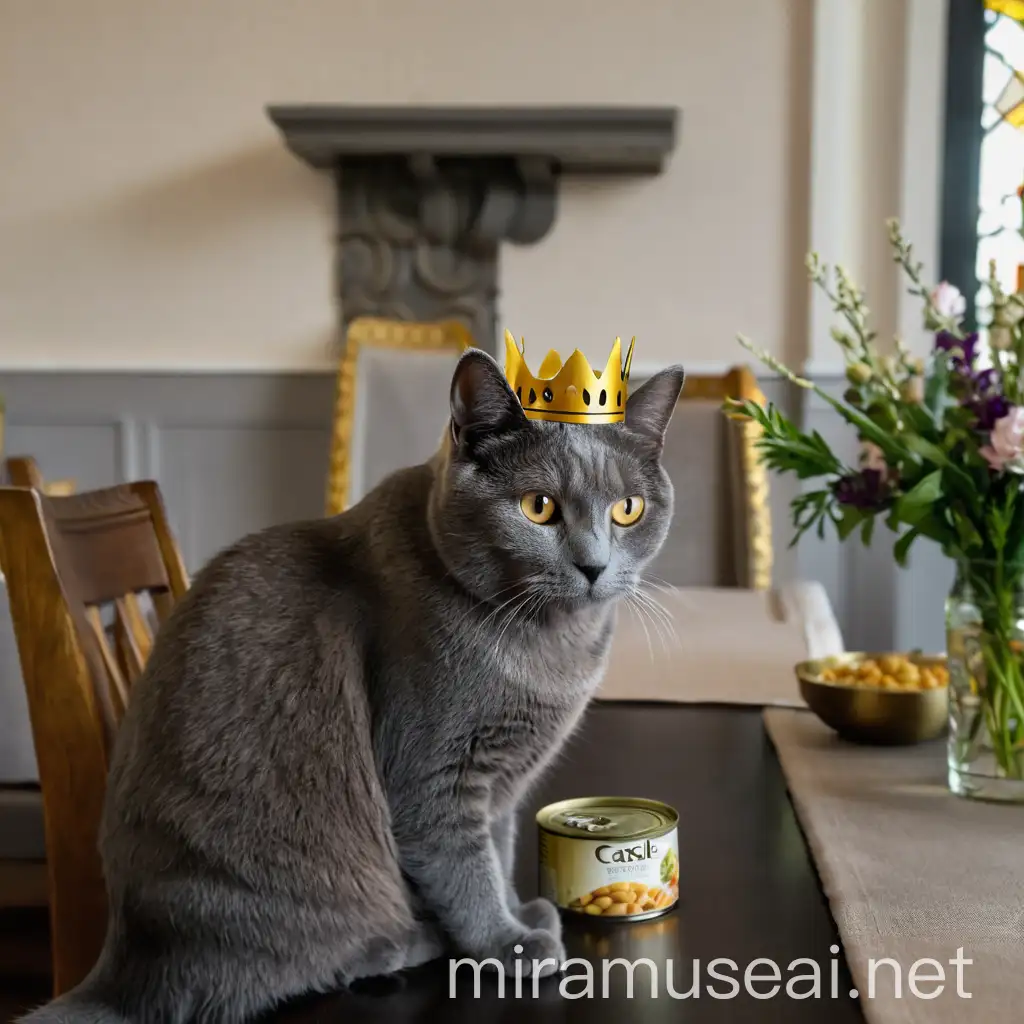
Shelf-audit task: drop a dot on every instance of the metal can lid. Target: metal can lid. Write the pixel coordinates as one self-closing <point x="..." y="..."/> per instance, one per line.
<point x="608" y="817"/>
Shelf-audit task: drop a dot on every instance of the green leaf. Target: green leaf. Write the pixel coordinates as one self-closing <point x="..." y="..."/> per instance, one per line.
<point x="783" y="447"/>
<point x="967" y="533"/>
<point x="850" y="519"/>
<point x="938" y="456"/>
<point x="812" y="509"/>
<point x="868" y="429"/>
<point x="958" y="479"/>
<point x="917" y="503"/>
<point x="902" y="547"/>
<point x="917" y="418"/>
<point x="936" y="389"/>
<point x="867" y="530"/>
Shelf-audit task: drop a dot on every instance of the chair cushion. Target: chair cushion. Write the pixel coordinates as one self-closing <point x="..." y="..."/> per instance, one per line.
<point x="22" y="836"/>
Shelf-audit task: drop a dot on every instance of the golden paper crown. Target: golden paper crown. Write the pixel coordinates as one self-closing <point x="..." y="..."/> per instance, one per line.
<point x="570" y="392"/>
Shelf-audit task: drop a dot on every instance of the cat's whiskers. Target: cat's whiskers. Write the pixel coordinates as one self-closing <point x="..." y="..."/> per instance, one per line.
<point x="526" y="583"/>
<point x="646" y="612"/>
<point x="635" y="605"/>
<point x="657" y="608"/>
<point x="510" y="618"/>
<point x="493" y="613"/>
<point x="477" y="604"/>
<point x="661" y="618"/>
<point x="657" y="583"/>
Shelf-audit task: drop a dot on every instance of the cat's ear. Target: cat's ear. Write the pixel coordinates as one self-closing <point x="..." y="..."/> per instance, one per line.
<point x="481" y="401"/>
<point x="649" y="409"/>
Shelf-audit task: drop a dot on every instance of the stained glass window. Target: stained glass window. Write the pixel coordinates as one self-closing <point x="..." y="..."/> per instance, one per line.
<point x="1002" y="148"/>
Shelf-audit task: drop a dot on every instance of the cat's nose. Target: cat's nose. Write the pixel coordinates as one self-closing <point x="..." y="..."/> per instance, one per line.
<point x="590" y="571"/>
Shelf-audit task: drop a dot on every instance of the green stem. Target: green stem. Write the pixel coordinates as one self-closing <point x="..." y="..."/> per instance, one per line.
<point x="1002" y="693"/>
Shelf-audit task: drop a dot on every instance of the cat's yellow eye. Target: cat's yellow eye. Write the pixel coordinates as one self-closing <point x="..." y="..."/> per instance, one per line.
<point x="539" y="508"/>
<point x="627" y="511"/>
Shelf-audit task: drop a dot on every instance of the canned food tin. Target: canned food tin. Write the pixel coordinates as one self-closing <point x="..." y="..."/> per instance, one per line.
<point x="610" y="857"/>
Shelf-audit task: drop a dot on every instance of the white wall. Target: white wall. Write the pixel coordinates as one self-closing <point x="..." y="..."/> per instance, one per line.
<point x="151" y="219"/>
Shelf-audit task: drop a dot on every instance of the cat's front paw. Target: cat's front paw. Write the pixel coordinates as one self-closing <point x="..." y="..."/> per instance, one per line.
<point x="541" y="953"/>
<point x="540" y="913"/>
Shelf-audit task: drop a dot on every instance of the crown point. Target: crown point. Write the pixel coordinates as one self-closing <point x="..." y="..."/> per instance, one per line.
<point x="551" y="365"/>
<point x="570" y="390"/>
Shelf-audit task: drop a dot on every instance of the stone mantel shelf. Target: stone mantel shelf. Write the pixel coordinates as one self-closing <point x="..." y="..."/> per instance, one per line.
<point x="577" y="140"/>
<point x="427" y="195"/>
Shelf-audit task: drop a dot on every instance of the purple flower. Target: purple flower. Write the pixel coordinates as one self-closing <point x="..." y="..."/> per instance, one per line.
<point x="986" y="380"/>
<point x="990" y="409"/>
<point x="963" y="352"/>
<point x="985" y="400"/>
<point x="868" y="489"/>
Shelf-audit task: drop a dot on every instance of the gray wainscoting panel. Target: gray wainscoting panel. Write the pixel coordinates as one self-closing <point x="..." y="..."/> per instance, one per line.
<point x="220" y="484"/>
<point x="236" y="452"/>
<point x="232" y="452"/>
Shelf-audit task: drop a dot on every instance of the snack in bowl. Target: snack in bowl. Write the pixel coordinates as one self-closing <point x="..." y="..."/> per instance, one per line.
<point x="888" y="672"/>
<point x="878" y="698"/>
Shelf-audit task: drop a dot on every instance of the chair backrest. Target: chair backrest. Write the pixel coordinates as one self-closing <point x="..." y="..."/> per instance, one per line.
<point x="80" y="571"/>
<point x="23" y="471"/>
<point x="392" y="401"/>
<point x="392" y="405"/>
<point x="721" y="533"/>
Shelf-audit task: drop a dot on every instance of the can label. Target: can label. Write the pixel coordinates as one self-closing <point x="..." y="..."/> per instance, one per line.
<point x="612" y="878"/>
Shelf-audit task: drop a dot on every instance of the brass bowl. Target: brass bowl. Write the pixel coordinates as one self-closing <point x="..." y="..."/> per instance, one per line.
<point x="870" y="714"/>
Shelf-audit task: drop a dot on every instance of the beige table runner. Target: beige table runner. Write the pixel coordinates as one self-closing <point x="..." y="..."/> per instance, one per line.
<point x="910" y="872"/>
<point x="721" y="645"/>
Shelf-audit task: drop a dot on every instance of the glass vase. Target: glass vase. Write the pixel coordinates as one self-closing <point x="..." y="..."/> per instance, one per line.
<point x="985" y="647"/>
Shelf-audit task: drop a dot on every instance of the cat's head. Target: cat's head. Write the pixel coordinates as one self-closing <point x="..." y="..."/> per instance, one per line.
<point x="570" y="514"/>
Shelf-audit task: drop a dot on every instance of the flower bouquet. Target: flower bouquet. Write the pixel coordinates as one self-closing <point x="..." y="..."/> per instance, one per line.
<point x="941" y="457"/>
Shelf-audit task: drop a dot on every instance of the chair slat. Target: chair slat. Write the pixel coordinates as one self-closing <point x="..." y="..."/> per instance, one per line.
<point x="132" y="635"/>
<point x="115" y="679"/>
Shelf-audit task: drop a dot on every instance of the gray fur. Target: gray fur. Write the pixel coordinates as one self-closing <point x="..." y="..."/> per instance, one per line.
<point x="317" y="777"/>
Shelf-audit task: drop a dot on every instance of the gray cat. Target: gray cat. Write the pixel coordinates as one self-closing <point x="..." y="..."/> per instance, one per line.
<point x="317" y="777"/>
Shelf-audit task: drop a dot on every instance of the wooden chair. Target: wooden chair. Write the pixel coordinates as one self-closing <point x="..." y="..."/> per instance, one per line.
<point x="24" y="894"/>
<point x="723" y="617"/>
<point x="22" y="884"/>
<point x="392" y="401"/>
<point x="392" y="404"/>
<point x="79" y="570"/>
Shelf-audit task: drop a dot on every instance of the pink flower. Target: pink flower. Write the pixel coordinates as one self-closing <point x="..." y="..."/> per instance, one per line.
<point x="948" y="301"/>
<point x="871" y="457"/>
<point x="1006" y="442"/>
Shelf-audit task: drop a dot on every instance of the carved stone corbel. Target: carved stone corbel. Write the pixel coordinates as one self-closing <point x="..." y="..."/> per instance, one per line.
<point x="427" y="196"/>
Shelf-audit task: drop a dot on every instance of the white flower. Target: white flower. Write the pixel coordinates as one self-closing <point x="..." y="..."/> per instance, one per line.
<point x="949" y="301"/>
<point x="872" y="457"/>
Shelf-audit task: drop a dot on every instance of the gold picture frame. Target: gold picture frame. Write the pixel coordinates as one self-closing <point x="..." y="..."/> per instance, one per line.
<point x="755" y="522"/>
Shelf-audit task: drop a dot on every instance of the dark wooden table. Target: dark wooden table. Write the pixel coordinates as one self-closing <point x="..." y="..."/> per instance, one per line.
<point x="748" y="889"/>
